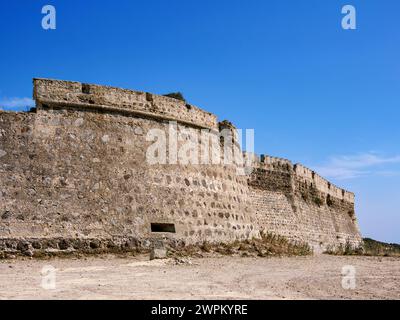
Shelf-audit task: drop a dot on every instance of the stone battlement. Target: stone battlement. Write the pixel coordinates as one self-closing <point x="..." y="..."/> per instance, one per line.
<point x="311" y="177"/>
<point x="302" y="173"/>
<point x="57" y="93"/>
<point x="267" y="162"/>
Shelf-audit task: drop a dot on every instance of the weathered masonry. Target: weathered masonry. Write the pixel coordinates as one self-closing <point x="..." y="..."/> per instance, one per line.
<point x="74" y="176"/>
<point x="293" y="201"/>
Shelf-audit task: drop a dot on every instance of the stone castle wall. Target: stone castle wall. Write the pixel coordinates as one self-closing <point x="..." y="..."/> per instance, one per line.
<point x="294" y="201"/>
<point x="77" y="173"/>
<point x="70" y="94"/>
<point x="74" y="176"/>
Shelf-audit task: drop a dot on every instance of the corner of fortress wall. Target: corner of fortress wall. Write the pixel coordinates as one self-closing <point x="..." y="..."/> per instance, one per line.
<point x="74" y="175"/>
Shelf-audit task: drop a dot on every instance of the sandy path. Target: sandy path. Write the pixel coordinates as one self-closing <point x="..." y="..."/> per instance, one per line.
<point x="110" y="277"/>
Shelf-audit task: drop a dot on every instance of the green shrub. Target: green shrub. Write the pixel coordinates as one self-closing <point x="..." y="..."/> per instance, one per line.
<point x="370" y="247"/>
<point x="318" y="201"/>
<point x="378" y="248"/>
<point x="176" y="95"/>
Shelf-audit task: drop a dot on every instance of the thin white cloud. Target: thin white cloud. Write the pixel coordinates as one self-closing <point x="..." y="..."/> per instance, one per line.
<point x="355" y="166"/>
<point x="16" y="103"/>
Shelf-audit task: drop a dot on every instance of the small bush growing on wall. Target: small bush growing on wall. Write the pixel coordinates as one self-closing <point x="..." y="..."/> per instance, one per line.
<point x="175" y="95"/>
<point x="318" y="201"/>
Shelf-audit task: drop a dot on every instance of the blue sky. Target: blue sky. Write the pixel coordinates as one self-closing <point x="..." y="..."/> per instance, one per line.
<point x="314" y="93"/>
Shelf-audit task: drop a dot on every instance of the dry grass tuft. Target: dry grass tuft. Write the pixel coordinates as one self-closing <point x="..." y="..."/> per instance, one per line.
<point x="268" y="245"/>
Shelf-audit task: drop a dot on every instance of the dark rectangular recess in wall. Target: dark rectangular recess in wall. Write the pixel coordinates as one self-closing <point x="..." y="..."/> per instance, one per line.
<point x="163" y="227"/>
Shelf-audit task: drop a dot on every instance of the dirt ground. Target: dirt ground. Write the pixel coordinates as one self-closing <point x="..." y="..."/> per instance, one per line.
<point x="222" y="277"/>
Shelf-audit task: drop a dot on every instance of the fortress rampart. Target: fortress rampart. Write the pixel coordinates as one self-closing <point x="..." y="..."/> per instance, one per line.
<point x="294" y="201"/>
<point x="61" y="94"/>
<point x="304" y="175"/>
<point x="310" y="177"/>
<point x="74" y="176"/>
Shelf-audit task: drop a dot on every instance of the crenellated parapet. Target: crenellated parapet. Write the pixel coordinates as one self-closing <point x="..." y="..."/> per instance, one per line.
<point x="296" y="202"/>
<point x="312" y="178"/>
<point x="57" y="93"/>
<point x="267" y="162"/>
<point x="300" y="173"/>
